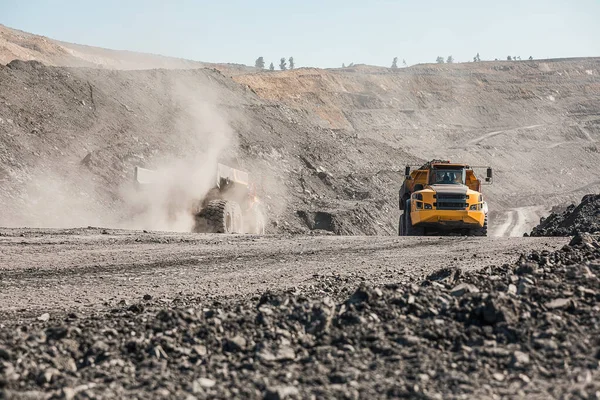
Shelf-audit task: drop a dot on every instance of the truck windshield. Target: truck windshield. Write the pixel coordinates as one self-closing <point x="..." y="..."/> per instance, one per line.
<point x="448" y="176"/>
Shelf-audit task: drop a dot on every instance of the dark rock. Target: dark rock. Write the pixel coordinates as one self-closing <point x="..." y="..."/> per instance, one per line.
<point x="585" y="239"/>
<point x="364" y="294"/>
<point x="449" y="275"/>
<point x="136" y="308"/>
<point x="4" y="354"/>
<point x="527" y="268"/>
<point x="57" y="333"/>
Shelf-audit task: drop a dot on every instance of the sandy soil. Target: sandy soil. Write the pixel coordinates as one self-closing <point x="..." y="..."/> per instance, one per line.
<point x="517" y="221"/>
<point x="90" y="269"/>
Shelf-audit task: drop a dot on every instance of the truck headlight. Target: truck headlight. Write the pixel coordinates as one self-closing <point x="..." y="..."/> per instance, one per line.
<point x="428" y="206"/>
<point x="474" y="207"/>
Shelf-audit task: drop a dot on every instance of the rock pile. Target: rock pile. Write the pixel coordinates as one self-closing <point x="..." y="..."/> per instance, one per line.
<point x="531" y="329"/>
<point x="582" y="218"/>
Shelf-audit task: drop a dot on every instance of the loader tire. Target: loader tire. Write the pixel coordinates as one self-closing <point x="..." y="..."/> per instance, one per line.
<point x="409" y="229"/>
<point x="483" y="231"/>
<point x="222" y="216"/>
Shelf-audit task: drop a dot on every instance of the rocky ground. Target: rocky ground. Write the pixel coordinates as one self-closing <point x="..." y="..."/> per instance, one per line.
<point x="584" y="217"/>
<point x="525" y="329"/>
<point x="87" y="270"/>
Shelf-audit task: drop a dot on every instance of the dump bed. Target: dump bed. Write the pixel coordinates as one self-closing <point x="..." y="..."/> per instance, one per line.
<point x="225" y="174"/>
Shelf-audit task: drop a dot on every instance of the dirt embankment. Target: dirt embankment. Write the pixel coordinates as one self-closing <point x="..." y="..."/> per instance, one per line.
<point x="71" y="137"/>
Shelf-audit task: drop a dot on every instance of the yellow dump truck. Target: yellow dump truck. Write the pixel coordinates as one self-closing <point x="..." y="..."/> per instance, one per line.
<point x="441" y="198"/>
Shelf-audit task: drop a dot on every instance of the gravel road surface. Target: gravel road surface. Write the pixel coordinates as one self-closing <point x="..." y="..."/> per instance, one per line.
<point x="93" y="269"/>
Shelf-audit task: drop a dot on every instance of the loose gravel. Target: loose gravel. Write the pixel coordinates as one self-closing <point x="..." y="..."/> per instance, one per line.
<point x="528" y="329"/>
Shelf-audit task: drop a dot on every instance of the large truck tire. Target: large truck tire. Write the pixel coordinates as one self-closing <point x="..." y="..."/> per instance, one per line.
<point x="222" y="216"/>
<point x="409" y="229"/>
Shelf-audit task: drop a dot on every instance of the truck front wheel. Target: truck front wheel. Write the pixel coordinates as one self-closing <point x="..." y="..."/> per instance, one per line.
<point x="409" y="228"/>
<point x="221" y="216"/>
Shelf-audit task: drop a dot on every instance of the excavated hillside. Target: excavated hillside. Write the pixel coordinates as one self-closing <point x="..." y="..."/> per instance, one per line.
<point x="327" y="147"/>
<point x="70" y="139"/>
<point x="536" y="122"/>
<point x="19" y="45"/>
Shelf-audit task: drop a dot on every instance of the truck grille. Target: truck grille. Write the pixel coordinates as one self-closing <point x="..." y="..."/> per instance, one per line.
<point x="451" y="201"/>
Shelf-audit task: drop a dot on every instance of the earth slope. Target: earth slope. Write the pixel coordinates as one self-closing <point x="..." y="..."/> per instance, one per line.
<point x="19" y="45"/>
<point x="326" y="146"/>
<point x="71" y="137"/>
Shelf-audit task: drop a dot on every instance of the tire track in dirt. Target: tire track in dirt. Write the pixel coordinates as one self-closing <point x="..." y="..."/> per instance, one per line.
<point x="519" y="220"/>
<point x="519" y="226"/>
<point x="92" y="272"/>
<point x="586" y="133"/>
<point x="505" y="227"/>
<point x="496" y="133"/>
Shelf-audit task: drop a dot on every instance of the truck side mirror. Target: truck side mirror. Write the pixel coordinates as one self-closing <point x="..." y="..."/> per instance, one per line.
<point x="407" y="171"/>
<point x="489" y="175"/>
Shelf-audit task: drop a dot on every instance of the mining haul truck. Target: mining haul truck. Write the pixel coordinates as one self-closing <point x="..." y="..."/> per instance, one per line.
<point x="442" y="198"/>
<point x="231" y="206"/>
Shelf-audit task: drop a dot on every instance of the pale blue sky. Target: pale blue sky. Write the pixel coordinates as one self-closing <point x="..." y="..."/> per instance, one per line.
<point x="322" y="33"/>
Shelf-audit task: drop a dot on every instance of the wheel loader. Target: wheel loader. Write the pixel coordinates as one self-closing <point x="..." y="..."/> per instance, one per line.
<point x="443" y="198"/>
<point x="231" y="206"/>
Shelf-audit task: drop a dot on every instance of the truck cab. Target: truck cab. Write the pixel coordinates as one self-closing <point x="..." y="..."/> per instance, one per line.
<point x="442" y="197"/>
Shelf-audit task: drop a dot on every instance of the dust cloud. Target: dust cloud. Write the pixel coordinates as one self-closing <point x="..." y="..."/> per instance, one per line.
<point x="180" y="182"/>
<point x="51" y="199"/>
<point x="67" y="195"/>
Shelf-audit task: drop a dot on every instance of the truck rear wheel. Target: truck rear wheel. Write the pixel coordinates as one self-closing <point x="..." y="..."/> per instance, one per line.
<point x="401" y="225"/>
<point x="222" y="216"/>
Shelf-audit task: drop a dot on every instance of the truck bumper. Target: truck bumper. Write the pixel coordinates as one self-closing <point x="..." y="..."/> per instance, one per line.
<point x="448" y="219"/>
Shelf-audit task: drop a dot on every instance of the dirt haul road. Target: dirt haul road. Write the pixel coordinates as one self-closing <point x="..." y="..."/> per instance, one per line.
<point x="91" y="269"/>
